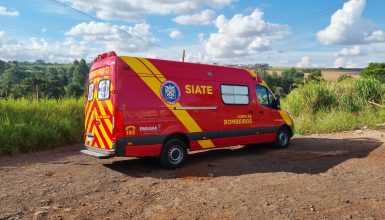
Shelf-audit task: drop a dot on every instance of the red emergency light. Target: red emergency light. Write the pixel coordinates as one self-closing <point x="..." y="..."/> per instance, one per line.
<point x="104" y="56"/>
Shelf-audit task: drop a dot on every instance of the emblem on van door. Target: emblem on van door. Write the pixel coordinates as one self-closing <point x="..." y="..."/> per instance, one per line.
<point x="170" y="92"/>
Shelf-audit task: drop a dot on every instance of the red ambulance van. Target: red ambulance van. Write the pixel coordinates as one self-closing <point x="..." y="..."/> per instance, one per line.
<point x="150" y="107"/>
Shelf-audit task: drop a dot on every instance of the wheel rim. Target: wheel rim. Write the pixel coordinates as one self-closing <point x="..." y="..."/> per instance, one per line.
<point x="175" y="154"/>
<point x="282" y="138"/>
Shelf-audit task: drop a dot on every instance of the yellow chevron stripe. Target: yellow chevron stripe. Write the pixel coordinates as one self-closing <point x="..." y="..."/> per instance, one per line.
<point x="98" y="136"/>
<point x="155" y="83"/>
<point x="153" y="69"/>
<point x="105" y="136"/>
<point x="90" y="121"/>
<point x="90" y="111"/>
<point x="109" y="105"/>
<point x="86" y="114"/>
<point x="103" y="112"/>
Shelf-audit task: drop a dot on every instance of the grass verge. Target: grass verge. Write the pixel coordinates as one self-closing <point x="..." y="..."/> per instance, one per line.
<point x="27" y="125"/>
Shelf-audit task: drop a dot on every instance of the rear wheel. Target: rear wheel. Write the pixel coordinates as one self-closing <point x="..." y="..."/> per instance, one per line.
<point x="283" y="138"/>
<point x="173" y="154"/>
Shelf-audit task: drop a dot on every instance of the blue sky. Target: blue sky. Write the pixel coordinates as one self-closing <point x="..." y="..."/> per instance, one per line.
<point x="303" y="33"/>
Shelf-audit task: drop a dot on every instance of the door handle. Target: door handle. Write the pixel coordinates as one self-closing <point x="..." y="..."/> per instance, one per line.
<point x="261" y="111"/>
<point x="250" y="112"/>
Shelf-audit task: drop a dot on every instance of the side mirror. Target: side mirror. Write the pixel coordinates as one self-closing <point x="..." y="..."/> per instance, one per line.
<point x="276" y="104"/>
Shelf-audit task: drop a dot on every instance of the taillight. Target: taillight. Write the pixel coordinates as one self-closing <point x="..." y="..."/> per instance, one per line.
<point x="117" y="124"/>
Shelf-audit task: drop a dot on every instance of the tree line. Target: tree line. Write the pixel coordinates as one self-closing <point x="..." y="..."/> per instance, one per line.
<point x="282" y="84"/>
<point x="44" y="80"/>
<point x="41" y="80"/>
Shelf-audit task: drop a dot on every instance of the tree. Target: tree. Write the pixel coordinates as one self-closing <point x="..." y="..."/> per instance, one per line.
<point x="3" y="66"/>
<point x="293" y="73"/>
<point x="376" y="70"/>
<point x="314" y="76"/>
<point x="74" y="89"/>
<point x="10" y="80"/>
<point x="52" y="87"/>
<point x="78" y="79"/>
<point x="344" y="77"/>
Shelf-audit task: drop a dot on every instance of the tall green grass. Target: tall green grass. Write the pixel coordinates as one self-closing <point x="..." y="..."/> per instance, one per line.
<point x="27" y="125"/>
<point x="336" y="106"/>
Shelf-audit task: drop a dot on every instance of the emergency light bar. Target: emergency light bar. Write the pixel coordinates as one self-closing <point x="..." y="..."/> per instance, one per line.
<point x="104" y="56"/>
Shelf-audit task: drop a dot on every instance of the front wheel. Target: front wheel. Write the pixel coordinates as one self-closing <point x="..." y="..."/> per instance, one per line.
<point x="173" y="154"/>
<point x="283" y="138"/>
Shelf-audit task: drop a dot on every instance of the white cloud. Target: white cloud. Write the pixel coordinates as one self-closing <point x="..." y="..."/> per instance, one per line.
<point x="344" y="62"/>
<point x="350" y="52"/>
<point x="120" y="38"/>
<point x="134" y="9"/>
<point x="176" y="34"/>
<point x="305" y="62"/>
<point x="38" y="48"/>
<point x="4" y="11"/>
<point x="377" y="36"/>
<point x="202" y="18"/>
<point x="243" y="35"/>
<point x="43" y="30"/>
<point x="347" y="27"/>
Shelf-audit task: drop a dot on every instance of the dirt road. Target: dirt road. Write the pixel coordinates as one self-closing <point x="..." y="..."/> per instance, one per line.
<point x="333" y="176"/>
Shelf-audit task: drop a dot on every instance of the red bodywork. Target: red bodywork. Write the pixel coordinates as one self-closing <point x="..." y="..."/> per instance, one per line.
<point x="141" y="119"/>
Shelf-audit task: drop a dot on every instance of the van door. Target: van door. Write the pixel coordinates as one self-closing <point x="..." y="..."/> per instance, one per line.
<point x="99" y="113"/>
<point x="265" y="117"/>
<point x="236" y="115"/>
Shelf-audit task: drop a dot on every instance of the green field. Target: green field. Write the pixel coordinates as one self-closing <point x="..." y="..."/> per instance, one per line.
<point x="27" y="125"/>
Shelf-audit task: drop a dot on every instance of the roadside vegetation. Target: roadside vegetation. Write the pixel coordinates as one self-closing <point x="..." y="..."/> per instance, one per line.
<point x="41" y="105"/>
<point x="336" y="106"/>
<point x="319" y="106"/>
<point x="31" y="125"/>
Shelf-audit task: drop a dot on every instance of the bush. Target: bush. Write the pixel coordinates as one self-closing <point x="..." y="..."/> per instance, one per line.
<point x="376" y="70"/>
<point x="336" y="106"/>
<point x="370" y="89"/>
<point x="310" y="98"/>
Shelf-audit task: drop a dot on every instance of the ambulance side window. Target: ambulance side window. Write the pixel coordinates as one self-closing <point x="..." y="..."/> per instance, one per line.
<point x="104" y="89"/>
<point x="265" y="98"/>
<point x="90" y="94"/>
<point x="235" y="94"/>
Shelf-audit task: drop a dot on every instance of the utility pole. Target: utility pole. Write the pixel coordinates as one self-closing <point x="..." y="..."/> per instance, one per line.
<point x="37" y="92"/>
<point x="183" y="55"/>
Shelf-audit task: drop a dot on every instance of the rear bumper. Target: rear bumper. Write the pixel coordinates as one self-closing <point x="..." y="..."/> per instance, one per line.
<point x="97" y="152"/>
<point x="124" y="151"/>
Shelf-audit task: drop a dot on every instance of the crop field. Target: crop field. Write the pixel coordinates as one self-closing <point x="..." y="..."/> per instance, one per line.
<point x="327" y="73"/>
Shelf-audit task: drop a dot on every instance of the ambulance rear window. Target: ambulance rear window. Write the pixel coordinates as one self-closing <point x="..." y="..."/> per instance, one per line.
<point x="90" y="94"/>
<point x="104" y="89"/>
<point x="235" y="94"/>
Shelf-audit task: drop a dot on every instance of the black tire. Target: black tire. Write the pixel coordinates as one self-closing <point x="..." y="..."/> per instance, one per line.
<point x="283" y="138"/>
<point x="174" y="153"/>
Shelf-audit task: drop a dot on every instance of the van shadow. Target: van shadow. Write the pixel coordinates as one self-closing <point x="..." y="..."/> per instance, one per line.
<point x="304" y="155"/>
